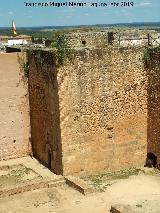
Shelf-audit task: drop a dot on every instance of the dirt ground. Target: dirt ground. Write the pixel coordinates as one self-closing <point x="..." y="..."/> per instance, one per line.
<point x="142" y="192"/>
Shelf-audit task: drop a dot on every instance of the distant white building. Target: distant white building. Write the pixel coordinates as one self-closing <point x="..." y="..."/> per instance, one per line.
<point x="17" y="42"/>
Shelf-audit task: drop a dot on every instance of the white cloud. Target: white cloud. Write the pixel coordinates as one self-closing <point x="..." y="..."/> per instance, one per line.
<point x="106" y="14"/>
<point x="68" y="10"/>
<point x="143" y="4"/>
<point x="10" y="13"/>
<point x="68" y="17"/>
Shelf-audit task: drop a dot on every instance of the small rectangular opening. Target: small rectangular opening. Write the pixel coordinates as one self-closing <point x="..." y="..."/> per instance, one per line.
<point x="49" y="160"/>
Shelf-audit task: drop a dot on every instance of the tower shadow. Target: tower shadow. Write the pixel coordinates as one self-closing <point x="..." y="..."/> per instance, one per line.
<point x="152" y="66"/>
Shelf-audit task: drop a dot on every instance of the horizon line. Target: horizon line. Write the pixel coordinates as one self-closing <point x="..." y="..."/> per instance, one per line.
<point x="76" y="25"/>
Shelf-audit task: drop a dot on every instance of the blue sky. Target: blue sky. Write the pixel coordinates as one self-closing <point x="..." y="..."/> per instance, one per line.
<point x="143" y="11"/>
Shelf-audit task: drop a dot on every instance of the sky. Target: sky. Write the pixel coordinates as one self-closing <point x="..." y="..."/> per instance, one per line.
<point x="30" y="16"/>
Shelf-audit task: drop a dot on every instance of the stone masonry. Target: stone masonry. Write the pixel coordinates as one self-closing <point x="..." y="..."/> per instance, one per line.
<point x="115" y="37"/>
<point x="153" y="103"/>
<point x="90" y="114"/>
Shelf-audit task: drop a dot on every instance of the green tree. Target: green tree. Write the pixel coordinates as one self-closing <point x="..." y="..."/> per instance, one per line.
<point x="60" y="42"/>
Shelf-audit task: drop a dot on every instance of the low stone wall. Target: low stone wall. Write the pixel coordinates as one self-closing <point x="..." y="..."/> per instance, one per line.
<point x="115" y="37"/>
<point x="88" y="39"/>
<point x="79" y="185"/>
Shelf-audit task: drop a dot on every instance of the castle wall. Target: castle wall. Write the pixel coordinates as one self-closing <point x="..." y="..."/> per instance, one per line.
<point x="14" y="109"/>
<point x="91" y="112"/>
<point x="92" y="39"/>
<point x="103" y="111"/>
<point x="95" y="39"/>
<point x="153" y="124"/>
<point x="44" y="110"/>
